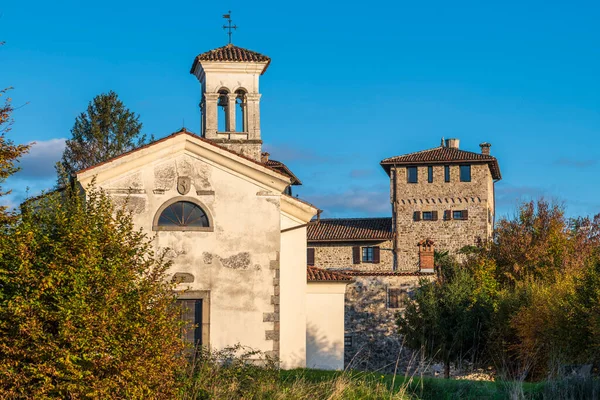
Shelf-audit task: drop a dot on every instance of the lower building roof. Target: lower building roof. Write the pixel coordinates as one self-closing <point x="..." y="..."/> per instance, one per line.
<point x="314" y="274"/>
<point x="350" y="229"/>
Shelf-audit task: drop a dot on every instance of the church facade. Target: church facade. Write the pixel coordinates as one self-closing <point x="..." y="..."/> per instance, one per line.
<point x="223" y="213"/>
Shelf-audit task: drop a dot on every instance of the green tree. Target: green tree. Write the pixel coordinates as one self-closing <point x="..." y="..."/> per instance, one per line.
<point x="447" y="319"/>
<point x="105" y="130"/>
<point x="85" y="309"/>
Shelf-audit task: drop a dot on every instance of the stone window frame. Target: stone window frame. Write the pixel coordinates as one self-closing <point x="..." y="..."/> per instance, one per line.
<point x="209" y="228"/>
<point x="203" y="295"/>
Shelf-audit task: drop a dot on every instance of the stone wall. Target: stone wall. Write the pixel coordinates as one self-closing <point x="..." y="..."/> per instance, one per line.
<point x="476" y="197"/>
<point x="371" y="326"/>
<point x="338" y="255"/>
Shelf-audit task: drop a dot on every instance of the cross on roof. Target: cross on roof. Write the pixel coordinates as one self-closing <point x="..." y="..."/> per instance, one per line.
<point x="229" y="27"/>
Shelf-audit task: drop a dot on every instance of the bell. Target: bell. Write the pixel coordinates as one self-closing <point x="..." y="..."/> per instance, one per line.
<point x="223" y="101"/>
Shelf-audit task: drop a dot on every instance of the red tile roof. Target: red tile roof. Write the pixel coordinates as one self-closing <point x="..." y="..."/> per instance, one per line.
<point x="390" y="273"/>
<point x="281" y="167"/>
<point x="443" y="155"/>
<point x="349" y="229"/>
<point x="314" y="274"/>
<point x="231" y="53"/>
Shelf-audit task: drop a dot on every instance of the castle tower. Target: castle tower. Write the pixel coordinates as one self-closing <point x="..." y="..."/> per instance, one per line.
<point x="444" y="195"/>
<point x="230" y="106"/>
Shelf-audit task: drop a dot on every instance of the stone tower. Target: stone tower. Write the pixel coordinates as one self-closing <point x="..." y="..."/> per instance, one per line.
<point x="230" y="105"/>
<point x="444" y="195"/>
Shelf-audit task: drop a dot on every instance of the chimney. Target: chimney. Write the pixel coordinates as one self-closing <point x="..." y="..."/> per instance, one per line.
<point x="485" y="148"/>
<point x="426" y="251"/>
<point x="264" y="157"/>
<point x="452" y="143"/>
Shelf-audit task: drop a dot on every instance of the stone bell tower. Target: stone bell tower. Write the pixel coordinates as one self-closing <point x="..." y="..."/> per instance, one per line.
<point x="230" y="104"/>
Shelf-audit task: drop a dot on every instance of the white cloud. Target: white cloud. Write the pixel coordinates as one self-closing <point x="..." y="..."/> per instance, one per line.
<point x="39" y="162"/>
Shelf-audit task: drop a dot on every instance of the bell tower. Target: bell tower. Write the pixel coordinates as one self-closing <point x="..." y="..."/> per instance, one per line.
<point x="230" y="105"/>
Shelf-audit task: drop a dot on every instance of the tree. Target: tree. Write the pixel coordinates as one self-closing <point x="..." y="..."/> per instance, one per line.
<point x="85" y="309"/>
<point x="9" y="152"/>
<point x="105" y="130"/>
<point x="446" y="319"/>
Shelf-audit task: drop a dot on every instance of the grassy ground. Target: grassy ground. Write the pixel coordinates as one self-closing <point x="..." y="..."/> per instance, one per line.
<point x="417" y="388"/>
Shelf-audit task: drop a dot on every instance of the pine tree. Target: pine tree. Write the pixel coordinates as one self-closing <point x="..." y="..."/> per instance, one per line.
<point x="105" y="130"/>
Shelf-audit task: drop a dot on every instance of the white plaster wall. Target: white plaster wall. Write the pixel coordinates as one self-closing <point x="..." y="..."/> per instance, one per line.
<point x="293" y="294"/>
<point x="234" y="261"/>
<point x="325" y="325"/>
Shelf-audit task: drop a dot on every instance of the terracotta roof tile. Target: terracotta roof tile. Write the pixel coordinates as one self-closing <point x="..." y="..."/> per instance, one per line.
<point x="349" y="229"/>
<point x="314" y="274"/>
<point x="390" y="273"/>
<point x="443" y="155"/>
<point x="281" y="167"/>
<point x="231" y="53"/>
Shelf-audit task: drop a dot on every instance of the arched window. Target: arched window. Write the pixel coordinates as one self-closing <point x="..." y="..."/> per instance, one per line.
<point x="223" y="113"/>
<point x="182" y="215"/>
<point x="241" y="122"/>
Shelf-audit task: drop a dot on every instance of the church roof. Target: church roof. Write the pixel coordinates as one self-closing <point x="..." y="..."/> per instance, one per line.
<point x="349" y="229"/>
<point x="314" y="274"/>
<point x="443" y="155"/>
<point x="282" y="168"/>
<point x="231" y="53"/>
<point x="182" y="131"/>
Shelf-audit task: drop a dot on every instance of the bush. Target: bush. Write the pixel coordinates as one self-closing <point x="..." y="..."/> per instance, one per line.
<point x="85" y="309"/>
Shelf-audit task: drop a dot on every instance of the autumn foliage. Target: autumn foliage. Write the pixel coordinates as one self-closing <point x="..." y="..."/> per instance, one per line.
<point x="85" y="308"/>
<point x="531" y="297"/>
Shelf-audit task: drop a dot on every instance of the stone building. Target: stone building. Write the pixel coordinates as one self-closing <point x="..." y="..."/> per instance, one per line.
<point x="442" y="198"/>
<point x="223" y="212"/>
<point x="442" y="194"/>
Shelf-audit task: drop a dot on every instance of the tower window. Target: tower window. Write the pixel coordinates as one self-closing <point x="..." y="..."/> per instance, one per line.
<point x="430" y="174"/>
<point x="446" y="173"/>
<point x="241" y="122"/>
<point x="223" y="111"/>
<point x="412" y="174"/>
<point x="465" y="173"/>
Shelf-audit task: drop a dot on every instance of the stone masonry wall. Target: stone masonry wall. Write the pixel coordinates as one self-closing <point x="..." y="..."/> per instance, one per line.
<point x="371" y="326"/>
<point x="476" y="197"/>
<point x="338" y="255"/>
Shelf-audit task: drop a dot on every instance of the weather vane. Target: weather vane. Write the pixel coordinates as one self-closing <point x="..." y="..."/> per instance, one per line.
<point x="229" y="27"/>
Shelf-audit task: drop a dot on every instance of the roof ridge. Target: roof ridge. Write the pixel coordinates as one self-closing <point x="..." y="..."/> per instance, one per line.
<point x="354" y="218"/>
<point x="182" y="131"/>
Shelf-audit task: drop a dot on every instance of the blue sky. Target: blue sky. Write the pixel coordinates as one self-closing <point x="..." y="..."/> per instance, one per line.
<point x="350" y="83"/>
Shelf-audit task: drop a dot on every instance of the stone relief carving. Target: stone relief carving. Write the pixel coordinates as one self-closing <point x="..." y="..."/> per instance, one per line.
<point x="184" y="183"/>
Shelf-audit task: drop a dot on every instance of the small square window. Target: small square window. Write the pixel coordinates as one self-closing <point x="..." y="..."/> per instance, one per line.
<point x="412" y="174"/>
<point x="430" y="174"/>
<point x="367" y="254"/>
<point x="446" y="173"/>
<point x="459" y="215"/>
<point x="347" y="341"/>
<point x="396" y="297"/>
<point x="465" y="173"/>
<point x="427" y="215"/>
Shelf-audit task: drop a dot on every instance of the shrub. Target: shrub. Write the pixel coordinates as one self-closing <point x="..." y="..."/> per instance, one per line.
<point x="85" y="310"/>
